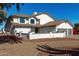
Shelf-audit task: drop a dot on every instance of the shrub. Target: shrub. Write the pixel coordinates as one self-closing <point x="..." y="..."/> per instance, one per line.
<point x="11" y="39"/>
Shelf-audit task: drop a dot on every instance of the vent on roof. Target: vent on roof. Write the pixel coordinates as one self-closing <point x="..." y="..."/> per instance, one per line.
<point x="35" y="13"/>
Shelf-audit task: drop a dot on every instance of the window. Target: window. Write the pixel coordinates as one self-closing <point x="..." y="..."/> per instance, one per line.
<point x="61" y="30"/>
<point x="32" y="21"/>
<point x="22" y="20"/>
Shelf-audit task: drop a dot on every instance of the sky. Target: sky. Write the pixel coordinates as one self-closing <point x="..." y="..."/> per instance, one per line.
<point x="59" y="11"/>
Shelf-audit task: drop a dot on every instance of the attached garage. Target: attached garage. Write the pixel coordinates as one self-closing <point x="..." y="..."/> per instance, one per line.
<point x="23" y="30"/>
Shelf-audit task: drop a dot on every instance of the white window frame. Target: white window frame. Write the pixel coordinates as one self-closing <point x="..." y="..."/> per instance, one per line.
<point x="30" y="21"/>
<point x="20" y="22"/>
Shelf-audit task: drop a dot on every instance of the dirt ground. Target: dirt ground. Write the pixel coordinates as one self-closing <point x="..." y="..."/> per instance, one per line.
<point x="28" y="47"/>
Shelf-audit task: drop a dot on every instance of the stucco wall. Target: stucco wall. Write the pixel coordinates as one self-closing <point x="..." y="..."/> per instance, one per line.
<point x="44" y="18"/>
<point x="15" y="20"/>
<point x="65" y="25"/>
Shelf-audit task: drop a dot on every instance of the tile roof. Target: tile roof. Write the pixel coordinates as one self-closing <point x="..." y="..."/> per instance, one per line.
<point x="20" y="15"/>
<point x="54" y="23"/>
<point x="26" y="25"/>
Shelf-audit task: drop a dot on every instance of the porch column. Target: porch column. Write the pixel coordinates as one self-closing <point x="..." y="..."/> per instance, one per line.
<point x="72" y="31"/>
<point x="56" y="29"/>
<point x="20" y="33"/>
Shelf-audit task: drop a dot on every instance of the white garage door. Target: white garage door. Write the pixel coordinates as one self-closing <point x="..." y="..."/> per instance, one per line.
<point x="23" y="30"/>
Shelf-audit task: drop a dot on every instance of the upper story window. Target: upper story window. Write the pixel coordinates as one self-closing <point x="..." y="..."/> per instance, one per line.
<point x="22" y="20"/>
<point x="32" y="21"/>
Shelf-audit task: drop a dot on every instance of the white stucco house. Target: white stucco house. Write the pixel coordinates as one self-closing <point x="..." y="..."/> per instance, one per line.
<point x="37" y="23"/>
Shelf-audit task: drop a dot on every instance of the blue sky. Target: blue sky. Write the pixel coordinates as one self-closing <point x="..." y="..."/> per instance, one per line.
<point x="56" y="10"/>
<point x="67" y="11"/>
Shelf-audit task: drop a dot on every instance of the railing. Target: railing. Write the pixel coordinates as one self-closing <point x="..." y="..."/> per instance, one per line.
<point x="46" y="35"/>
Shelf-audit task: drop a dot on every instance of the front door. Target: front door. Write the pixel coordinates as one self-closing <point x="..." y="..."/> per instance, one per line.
<point x="36" y="30"/>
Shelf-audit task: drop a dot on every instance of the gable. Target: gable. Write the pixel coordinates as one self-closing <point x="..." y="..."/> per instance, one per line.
<point x="44" y="18"/>
<point x="64" y="25"/>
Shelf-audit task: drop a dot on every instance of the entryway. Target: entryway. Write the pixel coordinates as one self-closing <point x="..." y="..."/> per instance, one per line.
<point x="36" y="29"/>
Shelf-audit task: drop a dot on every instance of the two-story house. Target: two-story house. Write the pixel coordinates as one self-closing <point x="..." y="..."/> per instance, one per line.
<point x="37" y="23"/>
